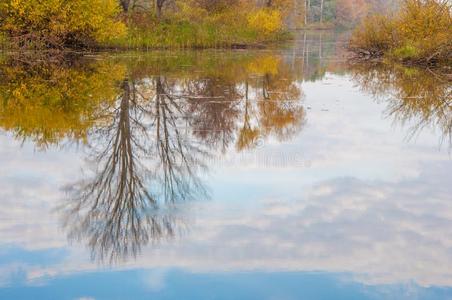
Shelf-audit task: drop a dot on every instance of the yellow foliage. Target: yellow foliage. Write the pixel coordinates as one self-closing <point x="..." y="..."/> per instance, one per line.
<point x="266" y="21"/>
<point x="49" y="103"/>
<point x="266" y="65"/>
<point x="420" y="32"/>
<point x="255" y="95"/>
<point x="190" y="11"/>
<point x="426" y="26"/>
<point x="59" y="22"/>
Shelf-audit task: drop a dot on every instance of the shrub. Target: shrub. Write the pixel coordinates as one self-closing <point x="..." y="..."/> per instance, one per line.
<point x="406" y="52"/>
<point x="265" y="21"/>
<point x="420" y="32"/>
<point x="425" y="26"/>
<point x="191" y="25"/>
<point x="60" y="23"/>
<point x="374" y="37"/>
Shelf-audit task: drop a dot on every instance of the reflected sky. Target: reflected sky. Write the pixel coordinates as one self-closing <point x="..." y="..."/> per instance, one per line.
<point x="281" y="174"/>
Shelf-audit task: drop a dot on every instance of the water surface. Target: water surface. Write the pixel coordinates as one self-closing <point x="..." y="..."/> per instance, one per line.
<point x="259" y="174"/>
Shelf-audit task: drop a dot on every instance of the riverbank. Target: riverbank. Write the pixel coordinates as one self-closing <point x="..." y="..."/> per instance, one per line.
<point x="419" y="34"/>
<point x="185" y="35"/>
<point x="148" y="40"/>
<point x="228" y="29"/>
<point x="195" y="38"/>
<point x="181" y="28"/>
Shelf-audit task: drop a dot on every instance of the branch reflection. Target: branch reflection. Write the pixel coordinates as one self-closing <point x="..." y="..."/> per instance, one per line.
<point x="148" y="132"/>
<point x="415" y="98"/>
<point x="142" y="163"/>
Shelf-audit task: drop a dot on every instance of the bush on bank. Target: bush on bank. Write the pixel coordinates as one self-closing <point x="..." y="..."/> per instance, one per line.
<point x="35" y="24"/>
<point x="81" y="24"/>
<point x="191" y="26"/>
<point x="420" y="33"/>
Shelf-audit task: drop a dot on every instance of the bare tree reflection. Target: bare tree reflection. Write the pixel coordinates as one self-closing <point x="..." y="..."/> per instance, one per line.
<point x="280" y="111"/>
<point x="248" y="136"/>
<point x="148" y="148"/>
<point x="178" y="155"/>
<point x="275" y="110"/>
<point x="141" y="149"/>
<point x="214" y="110"/>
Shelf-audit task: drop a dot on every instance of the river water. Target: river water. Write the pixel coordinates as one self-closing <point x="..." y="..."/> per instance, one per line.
<point x="284" y="173"/>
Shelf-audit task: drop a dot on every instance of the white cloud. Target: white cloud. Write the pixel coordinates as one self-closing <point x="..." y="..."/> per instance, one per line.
<point x="372" y="204"/>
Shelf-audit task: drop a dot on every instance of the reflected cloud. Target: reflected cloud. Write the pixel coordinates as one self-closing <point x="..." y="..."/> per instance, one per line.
<point x="380" y="232"/>
<point x="147" y="129"/>
<point x="139" y="154"/>
<point x="147" y="152"/>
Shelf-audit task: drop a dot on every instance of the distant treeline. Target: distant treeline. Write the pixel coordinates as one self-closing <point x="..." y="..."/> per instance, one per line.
<point x="297" y="13"/>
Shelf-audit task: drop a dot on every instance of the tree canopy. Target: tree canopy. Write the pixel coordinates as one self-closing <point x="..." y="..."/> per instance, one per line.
<point x="60" y="23"/>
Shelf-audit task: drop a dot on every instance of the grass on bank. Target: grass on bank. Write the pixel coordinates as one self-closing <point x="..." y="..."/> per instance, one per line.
<point x="223" y="30"/>
<point x="3" y="41"/>
<point x="420" y="33"/>
<point x="102" y="24"/>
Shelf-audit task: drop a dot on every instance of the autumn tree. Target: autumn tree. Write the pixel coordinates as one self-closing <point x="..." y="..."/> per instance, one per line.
<point x="217" y="5"/>
<point x="125" y="4"/>
<point x="59" y="23"/>
<point x="159" y="8"/>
